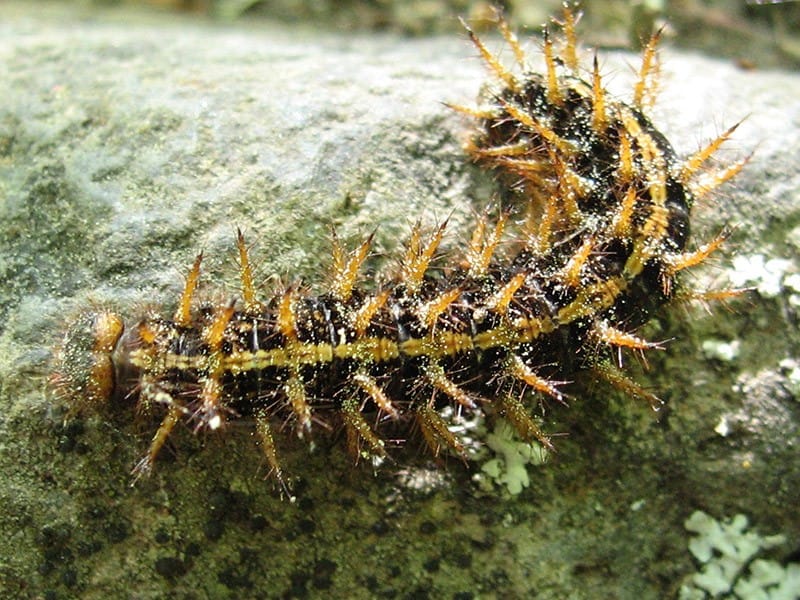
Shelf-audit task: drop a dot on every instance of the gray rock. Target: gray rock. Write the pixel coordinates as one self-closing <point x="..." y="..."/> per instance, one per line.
<point x="127" y="148"/>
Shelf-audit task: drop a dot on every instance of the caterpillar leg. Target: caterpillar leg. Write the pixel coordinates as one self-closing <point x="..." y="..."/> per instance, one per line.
<point x="517" y="414"/>
<point x="359" y="431"/>
<point x="145" y="466"/>
<point x="267" y="444"/>
<point x="611" y="374"/>
<point x="436" y="434"/>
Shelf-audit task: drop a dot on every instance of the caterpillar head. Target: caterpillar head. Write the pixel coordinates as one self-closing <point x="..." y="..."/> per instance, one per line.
<point x="84" y="373"/>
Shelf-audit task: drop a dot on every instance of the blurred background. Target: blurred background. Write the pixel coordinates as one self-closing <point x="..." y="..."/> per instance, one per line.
<point x="755" y="33"/>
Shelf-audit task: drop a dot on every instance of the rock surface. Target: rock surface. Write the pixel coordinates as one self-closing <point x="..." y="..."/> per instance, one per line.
<point x="127" y="147"/>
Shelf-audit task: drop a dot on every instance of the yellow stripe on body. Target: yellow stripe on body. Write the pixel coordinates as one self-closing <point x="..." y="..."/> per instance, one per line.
<point x="182" y="362"/>
<point x="296" y="354"/>
<point x="440" y="344"/>
<point x="528" y="330"/>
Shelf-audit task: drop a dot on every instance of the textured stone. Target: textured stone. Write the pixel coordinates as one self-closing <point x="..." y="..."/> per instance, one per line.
<point x="127" y="148"/>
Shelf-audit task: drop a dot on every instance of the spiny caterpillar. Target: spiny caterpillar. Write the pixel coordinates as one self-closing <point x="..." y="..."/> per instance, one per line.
<point x="600" y="245"/>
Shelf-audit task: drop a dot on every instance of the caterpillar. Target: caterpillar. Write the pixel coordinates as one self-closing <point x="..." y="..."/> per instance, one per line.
<point x="546" y="292"/>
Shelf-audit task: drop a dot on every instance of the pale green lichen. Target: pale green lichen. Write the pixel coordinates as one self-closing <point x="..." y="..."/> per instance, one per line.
<point x="503" y="456"/>
<point x="769" y="276"/>
<point x="791" y="369"/>
<point x="721" y="350"/>
<point x="727" y="551"/>
<point x="769" y="580"/>
<point x="509" y="466"/>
